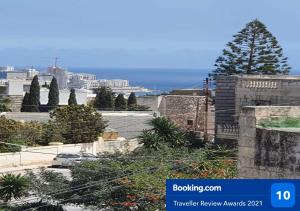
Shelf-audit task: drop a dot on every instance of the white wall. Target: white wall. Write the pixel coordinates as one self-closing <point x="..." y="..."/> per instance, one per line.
<point x="45" y="155"/>
<point x="81" y="96"/>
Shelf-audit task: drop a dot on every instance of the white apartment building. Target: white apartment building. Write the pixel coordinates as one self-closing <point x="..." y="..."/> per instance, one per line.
<point x="7" y="69"/>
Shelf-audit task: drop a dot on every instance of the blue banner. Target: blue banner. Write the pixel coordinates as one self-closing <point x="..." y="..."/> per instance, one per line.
<point x="233" y="194"/>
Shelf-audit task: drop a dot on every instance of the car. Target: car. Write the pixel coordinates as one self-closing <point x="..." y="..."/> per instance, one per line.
<point x="70" y="159"/>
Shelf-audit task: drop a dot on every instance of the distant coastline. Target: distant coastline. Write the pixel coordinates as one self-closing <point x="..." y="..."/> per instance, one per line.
<point x="163" y="79"/>
<point x="151" y="78"/>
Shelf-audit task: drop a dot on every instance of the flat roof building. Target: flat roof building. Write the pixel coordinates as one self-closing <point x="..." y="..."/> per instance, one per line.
<point x="236" y="91"/>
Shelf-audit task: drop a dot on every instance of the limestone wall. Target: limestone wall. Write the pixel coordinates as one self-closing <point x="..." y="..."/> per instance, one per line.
<point x="150" y="101"/>
<point x="236" y="91"/>
<point x="268" y="153"/>
<point x="181" y="108"/>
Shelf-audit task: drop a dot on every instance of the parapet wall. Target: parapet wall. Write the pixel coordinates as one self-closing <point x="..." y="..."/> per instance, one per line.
<point x="268" y="153"/>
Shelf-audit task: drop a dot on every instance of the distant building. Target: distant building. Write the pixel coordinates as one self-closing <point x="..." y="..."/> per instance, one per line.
<point x="7" y="69"/>
<point x="186" y="111"/>
<point x="236" y="91"/>
<point x="31" y="72"/>
<point x="82" y="96"/>
<point x="61" y="76"/>
<point x="113" y="83"/>
<point x="13" y="91"/>
<point x="14" y="75"/>
<point x="79" y="80"/>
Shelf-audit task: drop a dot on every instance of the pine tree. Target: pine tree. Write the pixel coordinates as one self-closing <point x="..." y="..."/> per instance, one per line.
<point x="120" y="103"/>
<point x="254" y="50"/>
<point x="100" y="101"/>
<point x="132" y="102"/>
<point x="109" y="99"/>
<point x="34" y="95"/>
<point x="25" y="103"/>
<point x="104" y="99"/>
<point x="72" y="98"/>
<point x="53" y="96"/>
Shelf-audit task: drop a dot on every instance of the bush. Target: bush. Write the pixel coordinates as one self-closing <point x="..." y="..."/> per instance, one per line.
<point x="13" y="186"/>
<point x="139" y="177"/>
<point x="14" y="132"/>
<point x="164" y="132"/>
<point x="12" y="145"/>
<point x="78" y="123"/>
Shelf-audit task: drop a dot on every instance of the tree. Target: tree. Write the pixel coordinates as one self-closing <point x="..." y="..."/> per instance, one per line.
<point x="254" y="50"/>
<point x="25" y="103"/>
<point x="72" y="98"/>
<point x="4" y="104"/>
<point x="100" y="100"/>
<point x="79" y="123"/>
<point x="104" y="99"/>
<point x="52" y="132"/>
<point x="53" y="97"/>
<point x="4" y="108"/>
<point x="13" y="186"/>
<point x="132" y="102"/>
<point x="109" y="99"/>
<point x="120" y="103"/>
<point x="167" y="132"/>
<point x="34" y="95"/>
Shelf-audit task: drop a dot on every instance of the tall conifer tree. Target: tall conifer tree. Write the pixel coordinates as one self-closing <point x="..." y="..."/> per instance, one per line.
<point x="120" y="103"/>
<point x="132" y="102"/>
<point x="53" y="96"/>
<point x="34" y="95"/>
<point x="254" y="50"/>
<point x="25" y="103"/>
<point x="72" y="98"/>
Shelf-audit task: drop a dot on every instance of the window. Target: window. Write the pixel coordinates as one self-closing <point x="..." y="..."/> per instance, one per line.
<point x="190" y="122"/>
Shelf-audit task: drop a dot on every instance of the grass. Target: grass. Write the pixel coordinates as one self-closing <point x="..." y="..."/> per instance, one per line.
<point x="281" y="122"/>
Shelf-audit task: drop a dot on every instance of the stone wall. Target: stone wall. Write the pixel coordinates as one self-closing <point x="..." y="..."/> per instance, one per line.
<point x="236" y="91"/>
<point x="268" y="153"/>
<point x="182" y="110"/>
<point x="150" y="101"/>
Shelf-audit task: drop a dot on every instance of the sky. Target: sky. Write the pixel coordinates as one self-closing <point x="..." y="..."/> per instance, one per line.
<point x="137" y="33"/>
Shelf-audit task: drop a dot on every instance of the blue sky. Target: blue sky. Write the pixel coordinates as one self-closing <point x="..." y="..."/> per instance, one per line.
<point x="137" y="33"/>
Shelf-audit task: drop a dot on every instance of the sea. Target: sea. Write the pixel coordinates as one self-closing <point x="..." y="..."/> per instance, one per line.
<point x="161" y="80"/>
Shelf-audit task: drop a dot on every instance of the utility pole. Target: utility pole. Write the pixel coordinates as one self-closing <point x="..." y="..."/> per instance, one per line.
<point x="206" y="111"/>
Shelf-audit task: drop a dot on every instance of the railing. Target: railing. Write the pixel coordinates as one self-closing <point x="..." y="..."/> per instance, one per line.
<point x="227" y="131"/>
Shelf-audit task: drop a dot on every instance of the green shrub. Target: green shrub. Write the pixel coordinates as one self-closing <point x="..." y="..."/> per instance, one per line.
<point x="281" y="122"/>
<point x="12" y="145"/>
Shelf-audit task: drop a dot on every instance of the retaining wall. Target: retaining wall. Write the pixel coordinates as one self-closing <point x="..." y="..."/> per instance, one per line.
<point x="268" y="153"/>
<point x="44" y="155"/>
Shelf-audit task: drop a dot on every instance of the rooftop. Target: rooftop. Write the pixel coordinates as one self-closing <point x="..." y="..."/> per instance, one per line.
<point x="128" y="124"/>
<point x="278" y="77"/>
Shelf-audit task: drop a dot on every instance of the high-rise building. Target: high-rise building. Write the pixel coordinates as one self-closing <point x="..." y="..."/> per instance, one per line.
<point x="61" y="76"/>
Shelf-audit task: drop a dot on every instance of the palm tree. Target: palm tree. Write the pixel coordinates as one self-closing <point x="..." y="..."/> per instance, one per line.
<point x="168" y="131"/>
<point x="13" y="186"/>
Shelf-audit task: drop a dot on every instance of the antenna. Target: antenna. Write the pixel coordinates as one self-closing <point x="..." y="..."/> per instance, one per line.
<point x="55" y="61"/>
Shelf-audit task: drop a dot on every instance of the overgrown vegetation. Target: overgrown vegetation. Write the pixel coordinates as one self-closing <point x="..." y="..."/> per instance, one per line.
<point x="136" y="180"/>
<point x="78" y="123"/>
<point x="16" y="133"/>
<point x="68" y="124"/>
<point x="281" y="122"/>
